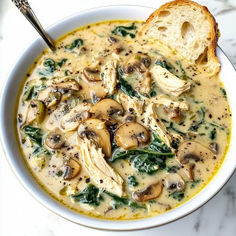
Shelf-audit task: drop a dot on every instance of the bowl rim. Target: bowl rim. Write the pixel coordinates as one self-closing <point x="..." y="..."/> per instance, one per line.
<point x="64" y="211"/>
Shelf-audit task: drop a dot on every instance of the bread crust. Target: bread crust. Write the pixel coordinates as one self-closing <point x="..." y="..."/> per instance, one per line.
<point x="214" y="26"/>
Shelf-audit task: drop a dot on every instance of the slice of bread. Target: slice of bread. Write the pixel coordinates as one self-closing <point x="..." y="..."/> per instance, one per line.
<point x="189" y="30"/>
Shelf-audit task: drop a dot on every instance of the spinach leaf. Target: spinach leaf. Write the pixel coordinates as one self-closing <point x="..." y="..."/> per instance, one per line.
<point x="50" y="65"/>
<point x="132" y="181"/>
<point x="195" y="125"/>
<point x="178" y="195"/>
<point x="171" y="127"/>
<point x="121" y="201"/>
<point x="75" y="44"/>
<point x="125" y="86"/>
<point x="146" y="164"/>
<point x="35" y="134"/>
<point x="213" y="134"/>
<point x="90" y="195"/>
<point x="62" y="62"/>
<point x="165" y="65"/>
<point x="147" y="160"/>
<point x="184" y="75"/>
<point x="123" y="31"/>
<point x="194" y="183"/>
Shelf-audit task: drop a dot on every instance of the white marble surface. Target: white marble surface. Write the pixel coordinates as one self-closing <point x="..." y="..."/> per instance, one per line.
<point x="20" y="214"/>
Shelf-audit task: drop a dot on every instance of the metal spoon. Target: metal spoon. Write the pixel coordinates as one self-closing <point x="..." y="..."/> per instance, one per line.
<point x="26" y="10"/>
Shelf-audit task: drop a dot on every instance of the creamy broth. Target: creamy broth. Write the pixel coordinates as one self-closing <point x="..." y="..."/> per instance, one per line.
<point x="175" y="142"/>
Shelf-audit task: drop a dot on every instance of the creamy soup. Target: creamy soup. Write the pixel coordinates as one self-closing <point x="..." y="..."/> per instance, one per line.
<point x="114" y="126"/>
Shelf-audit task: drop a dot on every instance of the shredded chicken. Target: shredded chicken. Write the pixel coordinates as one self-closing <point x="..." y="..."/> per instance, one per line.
<point x="100" y="172"/>
<point x="132" y="105"/>
<point x="168" y="82"/>
<point x="110" y="76"/>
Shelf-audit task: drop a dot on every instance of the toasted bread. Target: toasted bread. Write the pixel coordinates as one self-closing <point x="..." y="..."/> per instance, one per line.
<point x="189" y="30"/>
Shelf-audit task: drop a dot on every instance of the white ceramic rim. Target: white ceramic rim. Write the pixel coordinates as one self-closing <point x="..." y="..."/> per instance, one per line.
<point x="8" y="137"/>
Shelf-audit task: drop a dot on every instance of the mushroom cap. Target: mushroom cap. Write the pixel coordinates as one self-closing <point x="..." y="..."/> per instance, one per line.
<point x="92" y="74"/>
<point x="137" y="62"/>
<point x="96" y="130"/>
<point x="73" y="168"/>
<point x="105" y="108"/>
<point x="174" y="182"/>
<point x="151" y="192"/>
<point x="130" y="134"/>
<point x="54" y="140"/>
<point x="191" y="150"/>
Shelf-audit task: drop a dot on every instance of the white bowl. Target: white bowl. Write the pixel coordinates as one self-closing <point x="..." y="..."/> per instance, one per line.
<point x="10" y="146"/>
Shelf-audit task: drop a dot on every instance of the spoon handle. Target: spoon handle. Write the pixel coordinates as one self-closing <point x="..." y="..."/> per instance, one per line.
<point x="26" y="10"/>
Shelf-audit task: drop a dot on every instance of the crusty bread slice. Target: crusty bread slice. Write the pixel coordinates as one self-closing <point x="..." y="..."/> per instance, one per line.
<point x="189" y="30"/>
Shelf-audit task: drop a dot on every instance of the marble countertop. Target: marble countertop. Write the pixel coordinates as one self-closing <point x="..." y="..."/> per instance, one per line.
<point x="22" y="215"/>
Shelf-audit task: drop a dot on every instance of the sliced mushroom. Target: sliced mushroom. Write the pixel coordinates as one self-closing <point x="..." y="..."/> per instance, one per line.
<point x="95" y="129"/>
<point x="130" y="134"/>
<point x="54" y="140"/>
<point x="151" y="192"/>
<point x="106" y="108"/>
<point x="72" y="169"/>
<point x="71" y="120"/>
<point x="137" y="62"/>
<point x="190" y="150"/>
<point x="174" y="182"/>
<point x="112" y="39"/>
<point x="109" y="76"/>
<point x="186" y="172"/>
<point x="67" y="85"/>
<point x="168" y="82"/>
<point x="214" y="147"/>
<point x="98" y="169"/>
<point x="36" y="112"/>
<point x="49" y="96"/>
<point x="92" y="74"/>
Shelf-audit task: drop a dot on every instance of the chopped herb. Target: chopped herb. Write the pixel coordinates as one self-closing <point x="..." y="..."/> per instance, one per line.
<point x="177" y="195"/>
<point x="195" y="125"/>
<point x="194" y="183"/>
<point x="35" y="134"/>
<point x="172" y="169"/>
<point x="134" y="205"/>
<point x="62" y="62"/>
<point x="132" y="181"/>
<point x="75" y="44"/>
<point x="223" y="91"/>
<point x="90" y="195"/>
<point x="28" y="93"/>
<point x="213" y="134"/>
<point x="123" y="31"/>
<point x="125" y="86"/>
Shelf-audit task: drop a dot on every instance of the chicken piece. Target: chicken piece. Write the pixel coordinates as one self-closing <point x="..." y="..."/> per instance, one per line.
<point x="168" y="82"/>
<point x="173" y="108"/>
<point x="100" y="172"/>
<point x="152" y="121"/>
<point x="109" y="76"/>
<point x="132" y="105"/>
